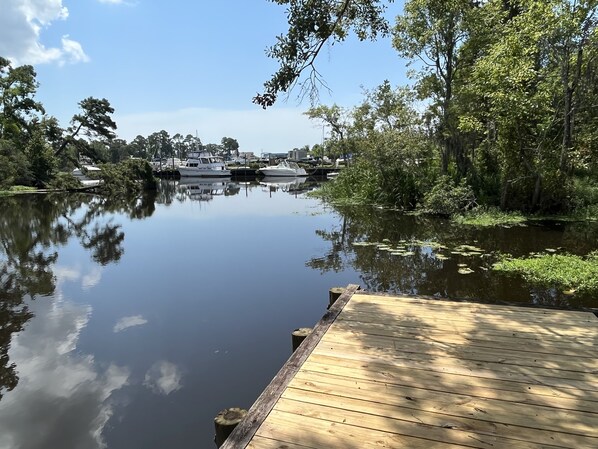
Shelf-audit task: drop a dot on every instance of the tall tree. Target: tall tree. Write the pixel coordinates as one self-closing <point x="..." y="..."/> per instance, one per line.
<point x="338" y="120"/>
<point x="231" y="146"/>
<point x="573" y="26"/>
<point x="93" y="122"/>
<point x="431" y="32"/>
<point x="17" y="104"/>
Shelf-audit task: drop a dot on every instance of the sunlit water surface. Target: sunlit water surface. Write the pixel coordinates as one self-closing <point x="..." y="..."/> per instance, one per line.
<point x="131" y="325"/>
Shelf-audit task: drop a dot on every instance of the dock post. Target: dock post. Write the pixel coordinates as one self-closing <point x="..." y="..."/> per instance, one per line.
<point x="299" y="335"/>
<point x="225" y="422"/>
<point x="333" y="294"/>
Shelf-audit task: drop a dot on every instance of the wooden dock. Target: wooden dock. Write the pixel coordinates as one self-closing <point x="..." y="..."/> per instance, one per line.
<point x="406" y="372"/>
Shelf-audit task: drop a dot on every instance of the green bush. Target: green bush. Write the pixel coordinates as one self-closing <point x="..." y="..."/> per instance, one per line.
<point x="446" y="198"/>
<point x="129" y="177"/>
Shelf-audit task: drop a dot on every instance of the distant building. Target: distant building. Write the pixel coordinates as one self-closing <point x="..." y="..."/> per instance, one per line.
<point x="298" y="154"/>
<point x="273" y="156"/>
<point x="247" y="155"/>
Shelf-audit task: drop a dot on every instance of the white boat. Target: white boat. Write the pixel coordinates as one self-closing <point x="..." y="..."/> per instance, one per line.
<point x="204" y="164"/>
<point x="284" y="168"/>
<point x="83" y="174"/>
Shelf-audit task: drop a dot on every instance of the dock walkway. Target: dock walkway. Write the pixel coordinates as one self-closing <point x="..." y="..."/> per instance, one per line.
<point x="406" y="372"/>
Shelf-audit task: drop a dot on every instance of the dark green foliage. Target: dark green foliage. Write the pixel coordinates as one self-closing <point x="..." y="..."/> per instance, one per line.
<point x="447" y="198"/>
<point x="64" y="181"/>
<point x="42" y="163"/>
<point x="127" y="178"/>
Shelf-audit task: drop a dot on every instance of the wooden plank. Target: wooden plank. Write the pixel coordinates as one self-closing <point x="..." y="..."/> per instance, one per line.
<point x="497" y="411"/>
<point x="423" y="323"/>
<point x="258" y="412"/>
<point x="507" y="367"/>
<point x="489" y="371"/>
<point x="259" y="442"/>
<point x="319" y="434"/>
<point x="531" y="313"/>
<point x="426" y="315"/>
<point x="439" y="348"/>
<point x="485" y="387"/>
<point x="478" y="308"/>
<point x="524" y="342"/>
<point x="463" y="329"/>
<point x="417" y="423"/>
<point x="449" y="386"/>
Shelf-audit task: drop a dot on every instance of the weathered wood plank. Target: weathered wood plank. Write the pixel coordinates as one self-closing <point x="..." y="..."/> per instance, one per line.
<point x="473" y="307"/>
<point x="506" y="369"/>
<point x="418" y="423"/>
<point x="522" y="341"/>
<point x="460" y="405"/>
<point x="321" y="434"/>
<point x="423" y="322"/>
<point x="465" y="351"/>
<point x="532" y="390"/>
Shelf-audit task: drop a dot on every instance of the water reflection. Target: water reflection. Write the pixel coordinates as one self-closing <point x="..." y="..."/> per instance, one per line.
<point x="419" y="255"/>
<point x="150" y="321"/>
<point x="129" y="321"/>
<point x="163" y="378"/>
<point x="32" y="229"/>
<point x="63" y="401"/>
<point x="205" y="189"/>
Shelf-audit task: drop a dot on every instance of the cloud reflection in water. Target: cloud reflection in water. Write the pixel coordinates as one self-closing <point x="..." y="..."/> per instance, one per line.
<point x="127" y="322"/>
<point x="63" y="398"/>
<point x="163" y="378"/>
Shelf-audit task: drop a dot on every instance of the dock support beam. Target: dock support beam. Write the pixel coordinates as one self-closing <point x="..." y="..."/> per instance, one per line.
<point x="225" y="422"/>
<point x="299" y="335"/>
<point x="333" y="294"/>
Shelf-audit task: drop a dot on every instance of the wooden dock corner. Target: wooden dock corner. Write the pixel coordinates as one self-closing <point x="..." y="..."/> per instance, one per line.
<point x="382" y="371"/>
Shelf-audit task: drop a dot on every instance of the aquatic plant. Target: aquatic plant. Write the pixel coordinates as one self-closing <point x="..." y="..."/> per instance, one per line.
<point x="567" y="272"/>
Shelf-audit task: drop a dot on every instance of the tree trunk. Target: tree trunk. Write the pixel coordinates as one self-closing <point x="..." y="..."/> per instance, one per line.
<point x="504" y="193"/>
<point x="537" y="191"/>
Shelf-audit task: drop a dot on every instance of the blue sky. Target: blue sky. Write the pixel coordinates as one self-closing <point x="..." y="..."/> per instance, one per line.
<point x="184" y="66"/>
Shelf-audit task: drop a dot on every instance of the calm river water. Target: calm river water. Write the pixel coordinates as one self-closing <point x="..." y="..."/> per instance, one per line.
<point x="131" y="325"/>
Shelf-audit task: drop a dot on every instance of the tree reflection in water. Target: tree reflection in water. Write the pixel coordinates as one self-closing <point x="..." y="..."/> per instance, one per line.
<point x="430" y="255"/>
<point x="32" y="227"/>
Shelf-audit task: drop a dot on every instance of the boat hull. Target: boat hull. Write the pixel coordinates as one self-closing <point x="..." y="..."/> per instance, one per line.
<point x="204" y="172"/>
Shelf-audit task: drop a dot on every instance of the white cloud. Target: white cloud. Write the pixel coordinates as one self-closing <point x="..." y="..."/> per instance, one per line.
<point x="73" y="51"/>
<point x="127" y="322"/>
<point x="163" y="378"/>
<point x="275" y="130"/>
<point x="21" y="25"/>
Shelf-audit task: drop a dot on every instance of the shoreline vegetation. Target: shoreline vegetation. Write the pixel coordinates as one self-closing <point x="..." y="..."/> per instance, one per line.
<point x="566" y="272"/>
